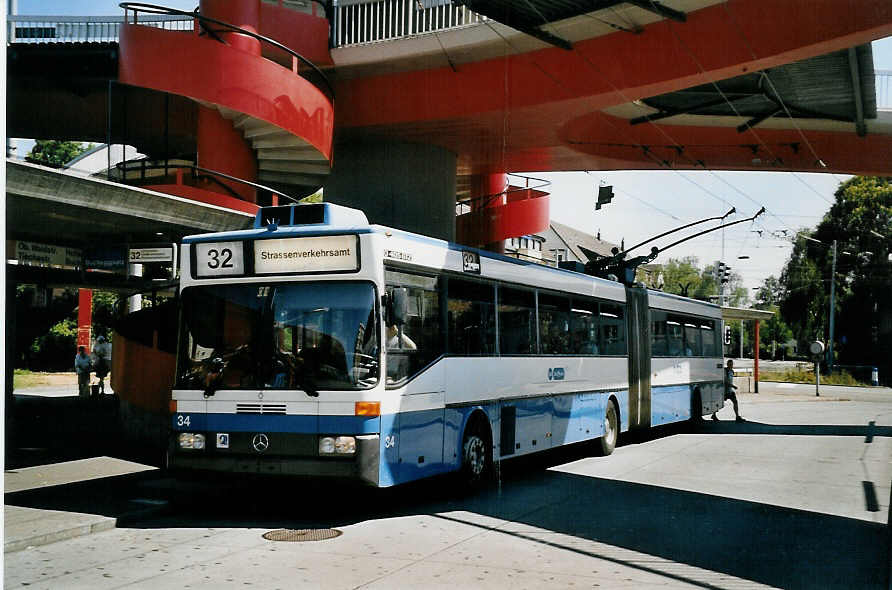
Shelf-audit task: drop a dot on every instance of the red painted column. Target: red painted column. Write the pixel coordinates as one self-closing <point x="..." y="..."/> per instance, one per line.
<point x="488" y="190"/>
<point x="221" y="147"/>
<point x="244" y="14"/>
<point x="84" y="318"/>
<point x="756" y="360"/>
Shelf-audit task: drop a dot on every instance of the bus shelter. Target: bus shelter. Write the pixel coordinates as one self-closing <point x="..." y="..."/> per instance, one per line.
<point x="755" y="315"/>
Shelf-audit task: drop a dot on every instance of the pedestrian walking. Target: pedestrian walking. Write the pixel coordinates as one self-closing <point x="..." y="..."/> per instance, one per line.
<point x="101" y="362"/>
<point x="82" y="366"/>
<point x="729" y="391"/>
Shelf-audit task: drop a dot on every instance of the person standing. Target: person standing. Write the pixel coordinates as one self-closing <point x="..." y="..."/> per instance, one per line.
<point x="729" y="391"/>
<point x="82" y="366"/>
<point x="101" y="362"/>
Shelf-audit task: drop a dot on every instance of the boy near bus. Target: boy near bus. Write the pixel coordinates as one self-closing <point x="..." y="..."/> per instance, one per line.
<point x="729" y="391"/>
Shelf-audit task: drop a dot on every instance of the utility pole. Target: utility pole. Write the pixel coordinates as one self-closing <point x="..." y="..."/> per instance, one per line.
<point x="832" y="311"/>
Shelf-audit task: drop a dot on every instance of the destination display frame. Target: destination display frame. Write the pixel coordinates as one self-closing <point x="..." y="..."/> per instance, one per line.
<point x="218" y="260"/>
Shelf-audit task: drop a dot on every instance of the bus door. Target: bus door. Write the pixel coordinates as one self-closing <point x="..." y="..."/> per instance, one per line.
<point x="639" y="357"/>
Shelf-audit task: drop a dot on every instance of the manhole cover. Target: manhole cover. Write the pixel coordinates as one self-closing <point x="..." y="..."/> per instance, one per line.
<point x="302" y="534"/>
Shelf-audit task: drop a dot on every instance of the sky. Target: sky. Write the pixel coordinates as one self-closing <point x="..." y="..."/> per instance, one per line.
<point x="648" y="203"/>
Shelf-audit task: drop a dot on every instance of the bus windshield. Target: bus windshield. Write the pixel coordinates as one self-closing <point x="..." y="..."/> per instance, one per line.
<point x="307" y="336"/>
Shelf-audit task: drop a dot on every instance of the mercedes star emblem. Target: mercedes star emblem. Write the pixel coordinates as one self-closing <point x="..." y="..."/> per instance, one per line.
<point x="260" y="442"/>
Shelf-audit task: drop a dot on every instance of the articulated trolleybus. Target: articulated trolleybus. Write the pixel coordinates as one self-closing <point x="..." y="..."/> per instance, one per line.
<point x="316" y="344"/>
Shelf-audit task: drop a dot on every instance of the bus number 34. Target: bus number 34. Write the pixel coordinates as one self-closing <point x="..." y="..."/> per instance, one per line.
<point x="183" y="420"/>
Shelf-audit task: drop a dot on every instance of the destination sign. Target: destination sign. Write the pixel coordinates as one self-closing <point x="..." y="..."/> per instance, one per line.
<point x="311" y="254"/>
<point x="37" y="254"/>
<point x="143" y="255"/>
<point x="216" y="259"/>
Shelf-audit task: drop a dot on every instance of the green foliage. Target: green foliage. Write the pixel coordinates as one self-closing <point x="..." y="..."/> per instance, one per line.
<point x="106" y="306"/>
<point x="53" y="153"/>
<point x="801" y="376"/>
<point x="683" y="276"/>
<point x="860" y="221"/>
<point x="55" y="350"/>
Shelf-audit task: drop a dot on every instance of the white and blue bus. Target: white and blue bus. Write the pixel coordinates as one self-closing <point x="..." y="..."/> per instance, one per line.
<point x="316" y="344"/>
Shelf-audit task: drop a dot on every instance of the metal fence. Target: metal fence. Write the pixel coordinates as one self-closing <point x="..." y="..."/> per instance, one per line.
<point x="83" y="29"/>
<point x="884" y="90"/>
<point x="356" y="23"/>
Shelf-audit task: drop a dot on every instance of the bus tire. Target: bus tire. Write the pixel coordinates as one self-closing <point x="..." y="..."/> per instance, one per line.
<point x="476" y="461"/>
<point x="607" y="442"/>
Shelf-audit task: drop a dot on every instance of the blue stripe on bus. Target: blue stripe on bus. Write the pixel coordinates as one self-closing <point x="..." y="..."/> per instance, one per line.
<point x="670" y="404"/>
<point x="302" y="424"/>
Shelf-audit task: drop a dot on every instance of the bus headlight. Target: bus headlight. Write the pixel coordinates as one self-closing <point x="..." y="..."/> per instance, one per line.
<point x="188" y="440"/>
<point x="345" y="445"/>
<point x="337" y="445"/>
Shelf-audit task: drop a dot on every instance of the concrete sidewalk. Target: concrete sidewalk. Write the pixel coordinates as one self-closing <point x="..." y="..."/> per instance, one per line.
<point x="29" y="491"/>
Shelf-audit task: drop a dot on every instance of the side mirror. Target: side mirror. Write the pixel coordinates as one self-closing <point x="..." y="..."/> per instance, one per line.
<point x="399" y="306"/>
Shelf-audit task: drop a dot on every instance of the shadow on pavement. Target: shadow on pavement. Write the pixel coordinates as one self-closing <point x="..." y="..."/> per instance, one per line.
<point x="748" y="427"/>
<point x="593" y="516"/>
<point x="53" y="429"/>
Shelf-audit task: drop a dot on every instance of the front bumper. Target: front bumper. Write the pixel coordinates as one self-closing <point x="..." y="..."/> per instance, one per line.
<point x="287" y="454"/>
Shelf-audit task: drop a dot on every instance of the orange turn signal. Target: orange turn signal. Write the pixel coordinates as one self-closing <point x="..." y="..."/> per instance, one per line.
<point x="368" y="409"/>
<point x="173" y="406"/>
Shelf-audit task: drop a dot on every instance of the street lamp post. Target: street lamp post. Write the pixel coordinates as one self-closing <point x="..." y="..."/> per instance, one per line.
<point x="832" y="311"/>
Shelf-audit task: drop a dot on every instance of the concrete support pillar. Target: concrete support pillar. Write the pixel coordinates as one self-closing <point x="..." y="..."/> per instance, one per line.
<point x="407" y="186"/>
<point x="756" y="359"/>
<point x="84" y="318"/>
<point x="490" y="190"/>
<point x="9" y="345"/>
<point x="220" y="146"/>
<point x="134" y="303"/>
<point x="224" y="149"/>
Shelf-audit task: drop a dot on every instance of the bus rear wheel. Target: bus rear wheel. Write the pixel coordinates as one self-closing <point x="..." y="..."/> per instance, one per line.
<point x="607" y="442"/>
<point x="476" y="465"/>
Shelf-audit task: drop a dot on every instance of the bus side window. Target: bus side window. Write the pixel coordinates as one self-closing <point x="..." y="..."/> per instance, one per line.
<point x="554" y="324"/>
<point x="584" y="327"/>
<point x="418" y="342"/>
<point x="708" y="334"/>
<point x="675" y="336"/>
<point x="692" y="345"/>
<point x="659" y="337"/>
<point x="471" y="318"/>
<point x="613" y="332"/>
<point x="517" y="321"/>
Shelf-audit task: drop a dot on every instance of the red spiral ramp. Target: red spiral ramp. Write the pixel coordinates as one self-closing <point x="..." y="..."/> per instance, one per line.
<point x="257" y="119"/>
<point x="516" y="211"/>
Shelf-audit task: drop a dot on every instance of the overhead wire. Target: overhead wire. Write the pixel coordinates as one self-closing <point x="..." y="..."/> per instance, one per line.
<point x="678" y="148"/>
<point x="750" y="129"/>
<point x="642" y="201"/>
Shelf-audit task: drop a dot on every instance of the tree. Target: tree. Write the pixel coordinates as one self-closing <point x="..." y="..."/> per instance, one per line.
<point x="860" y="221"/>
<point x="53" y="153"/>
<point x="774" y="334"/>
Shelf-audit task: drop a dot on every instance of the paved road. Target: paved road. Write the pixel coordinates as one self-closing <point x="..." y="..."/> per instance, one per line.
<point x="796" y="497"/>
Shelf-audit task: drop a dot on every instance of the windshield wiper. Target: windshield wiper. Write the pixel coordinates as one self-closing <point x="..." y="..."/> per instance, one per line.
<point x="214" y="377"/>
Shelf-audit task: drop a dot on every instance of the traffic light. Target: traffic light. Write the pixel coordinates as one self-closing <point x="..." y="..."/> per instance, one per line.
<point x="719" y="271"/>
<point x="726" y="276"/>
<point x="727" y="335"/>
<point x="605" y="195"/>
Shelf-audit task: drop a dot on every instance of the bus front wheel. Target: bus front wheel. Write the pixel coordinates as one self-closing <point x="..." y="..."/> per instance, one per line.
<point x="611" y="430"/>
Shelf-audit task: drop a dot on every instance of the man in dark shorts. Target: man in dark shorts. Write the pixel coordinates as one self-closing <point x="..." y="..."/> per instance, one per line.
<point x="729" y="391"/>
